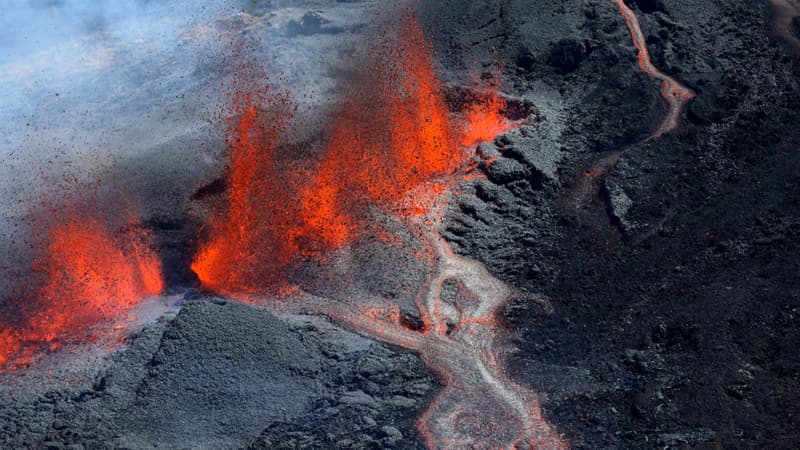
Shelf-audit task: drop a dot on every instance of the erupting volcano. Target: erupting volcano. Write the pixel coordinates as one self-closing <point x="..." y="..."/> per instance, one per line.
<point x="442" y="224"/>
<point x="393" y="145"/>
<point x="84" y="276"/>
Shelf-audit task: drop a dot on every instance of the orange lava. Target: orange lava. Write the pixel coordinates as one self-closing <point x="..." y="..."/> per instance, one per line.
<point x="392" y="133"/>
<point x="394" y="149"/>
<point x="88" y="275"/>
<point x="484" y="119"/>
<point x="247" y="245"/>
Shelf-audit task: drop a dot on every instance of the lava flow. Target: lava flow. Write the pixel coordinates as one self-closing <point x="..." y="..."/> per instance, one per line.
<point x="480" y="406"/>
<point x="393" y="149"/>
<point x="82" y="277"/>
<point x="676" y="95"/>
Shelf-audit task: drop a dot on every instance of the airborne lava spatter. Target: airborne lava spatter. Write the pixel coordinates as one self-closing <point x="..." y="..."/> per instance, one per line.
<point x="247" y="247"/>
<point x="392" y="133"/>
<point x="392" y="146"/>
<point x="82" y="276"/>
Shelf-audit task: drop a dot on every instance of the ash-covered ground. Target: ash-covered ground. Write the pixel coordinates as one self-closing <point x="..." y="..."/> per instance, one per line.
<point x="674" y="285"/>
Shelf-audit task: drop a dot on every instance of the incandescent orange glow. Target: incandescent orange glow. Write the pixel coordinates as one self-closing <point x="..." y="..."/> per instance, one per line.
<point x="89" y="275"/>
<point x="392" y="133"/>
<point x="393" y="146"/>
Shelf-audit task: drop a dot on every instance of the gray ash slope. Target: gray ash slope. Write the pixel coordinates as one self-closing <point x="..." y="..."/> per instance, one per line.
<point x="677" y="309"/>
<point x="225" y="375"/>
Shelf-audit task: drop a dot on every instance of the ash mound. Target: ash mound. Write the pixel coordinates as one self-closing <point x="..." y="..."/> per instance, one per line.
<point x="221" y="374"/>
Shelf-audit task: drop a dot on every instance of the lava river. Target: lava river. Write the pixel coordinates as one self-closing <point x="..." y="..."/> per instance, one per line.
<point x="585" y="192"/>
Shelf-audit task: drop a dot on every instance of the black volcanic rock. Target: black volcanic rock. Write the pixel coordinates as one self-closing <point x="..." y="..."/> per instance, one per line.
<point x="674" y="319"/>
<point x="676" y="328"/>
<point x="649" y="6"/>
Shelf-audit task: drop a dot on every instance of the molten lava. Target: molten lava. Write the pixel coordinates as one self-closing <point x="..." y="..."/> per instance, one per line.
<point x="247" y="246"/>
<point x="392" y="133"/>
<point x="484" y="119"/>
<point x="87" y="275"/>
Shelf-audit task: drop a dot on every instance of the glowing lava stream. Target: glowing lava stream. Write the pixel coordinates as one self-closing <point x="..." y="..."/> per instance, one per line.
<point x="676" y="95"/>
<point x="480" y="406"/>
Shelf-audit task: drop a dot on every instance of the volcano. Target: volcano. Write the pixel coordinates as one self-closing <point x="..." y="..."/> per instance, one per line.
<point x="438" y="224"/>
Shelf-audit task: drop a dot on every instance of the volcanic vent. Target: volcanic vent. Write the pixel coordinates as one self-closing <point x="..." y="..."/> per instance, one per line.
<point x="392" y="157"/>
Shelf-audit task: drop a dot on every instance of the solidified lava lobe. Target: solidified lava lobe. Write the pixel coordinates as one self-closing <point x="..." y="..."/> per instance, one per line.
<point x="84" y="274"/>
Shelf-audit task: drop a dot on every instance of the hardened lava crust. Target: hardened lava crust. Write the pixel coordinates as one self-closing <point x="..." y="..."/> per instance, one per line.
<point x="665" y="265"/>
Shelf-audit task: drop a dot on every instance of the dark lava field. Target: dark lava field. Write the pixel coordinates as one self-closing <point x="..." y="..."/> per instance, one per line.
<point x="665" y="262"/>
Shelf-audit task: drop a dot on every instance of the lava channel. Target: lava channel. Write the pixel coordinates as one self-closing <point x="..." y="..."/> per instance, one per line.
<point x="480" y="406"/>
<point x="394" y="151"/>
<point x="787" y="21"/>
<point x="676" y="95"/>
<point x="584" y="193"/>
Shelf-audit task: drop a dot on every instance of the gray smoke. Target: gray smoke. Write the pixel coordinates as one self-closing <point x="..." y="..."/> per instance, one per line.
<point x="129" y="92"/>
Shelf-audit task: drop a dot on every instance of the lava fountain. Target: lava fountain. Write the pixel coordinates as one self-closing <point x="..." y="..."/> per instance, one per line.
<point x="676" y="95"/>
<point x="393" y="147"/>
<point x="85" y="273"/>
